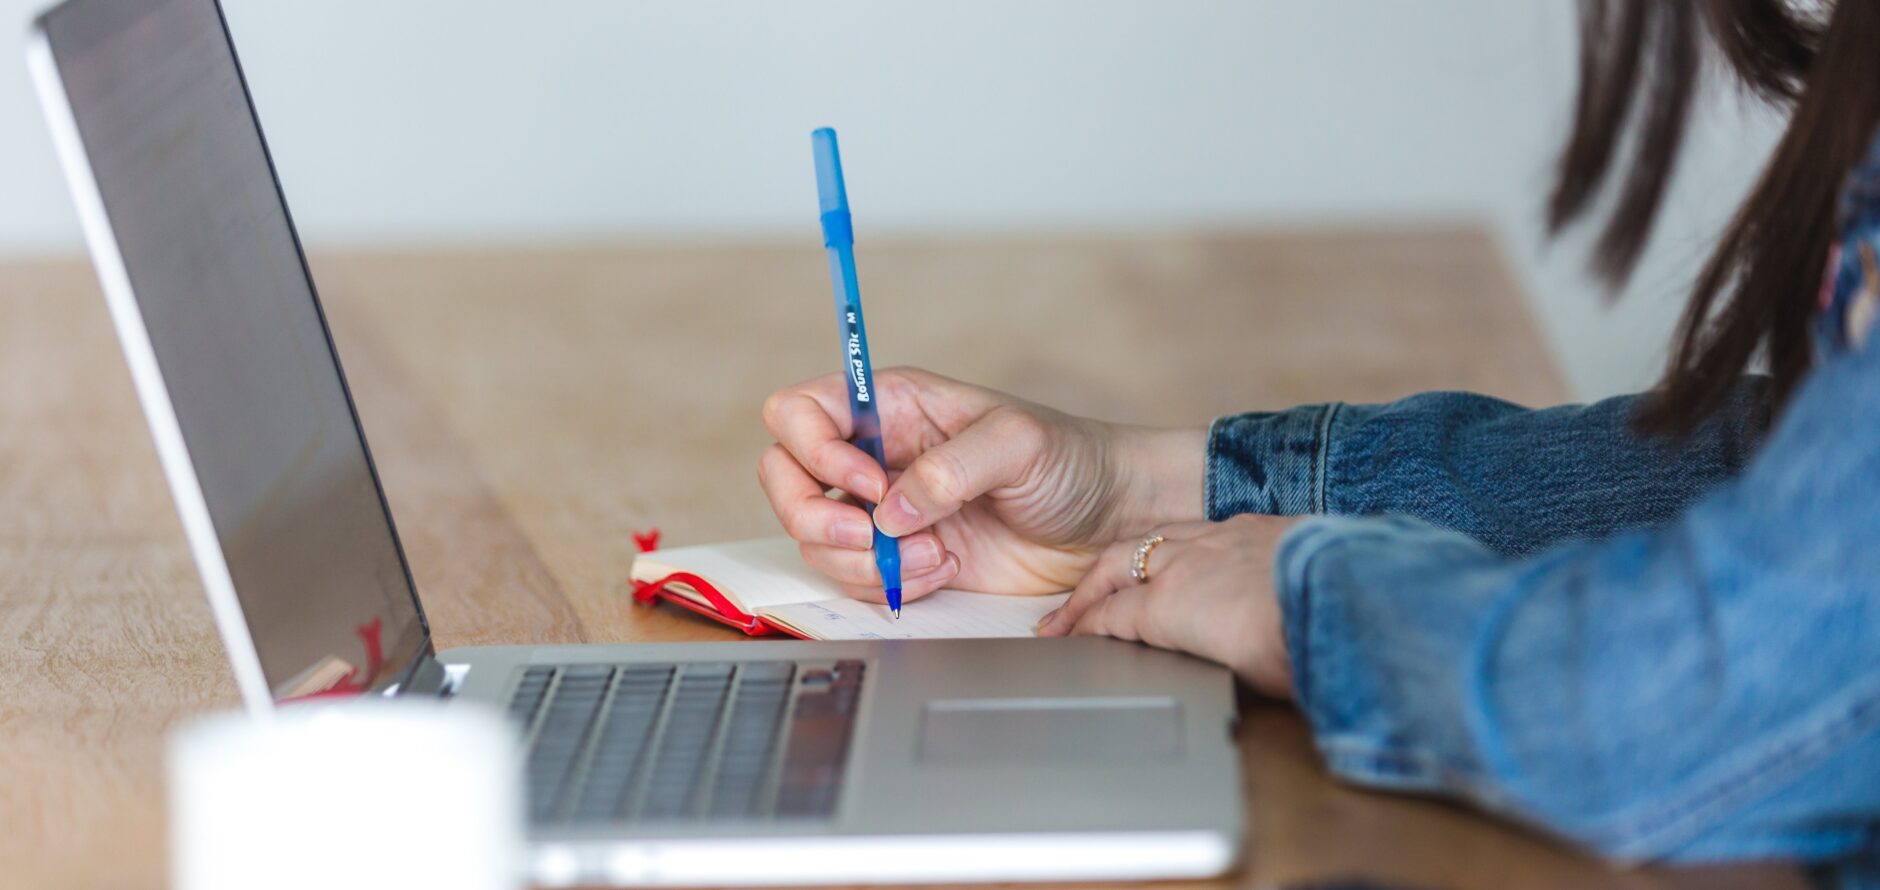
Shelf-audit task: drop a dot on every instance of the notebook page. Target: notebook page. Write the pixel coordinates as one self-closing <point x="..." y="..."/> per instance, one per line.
<point x="939" y="615"/>
<point x="755" y="574"/>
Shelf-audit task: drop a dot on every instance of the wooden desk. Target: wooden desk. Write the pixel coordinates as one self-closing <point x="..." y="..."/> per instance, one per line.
<point x="530" y="408"/>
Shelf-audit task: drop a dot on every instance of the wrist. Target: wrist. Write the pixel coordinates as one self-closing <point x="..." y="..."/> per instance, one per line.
<point x="1267" y="667"/>
<point x="1161" y="477"/>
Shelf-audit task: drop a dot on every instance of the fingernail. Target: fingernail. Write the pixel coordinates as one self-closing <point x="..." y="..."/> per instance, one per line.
<point x="853" y="533"/>
<point x="1044" y="624"/>
<point x="865" y="487"/>
<point x="945" y="569"/>
<point x="897" y="517"/>
<point x="921" y="555"/>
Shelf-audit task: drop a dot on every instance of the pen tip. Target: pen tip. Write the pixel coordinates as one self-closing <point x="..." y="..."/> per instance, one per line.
<point x="897" y="614"/>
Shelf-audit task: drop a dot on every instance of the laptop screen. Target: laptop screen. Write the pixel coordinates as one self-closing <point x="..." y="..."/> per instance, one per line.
<point x="239" y="340"/>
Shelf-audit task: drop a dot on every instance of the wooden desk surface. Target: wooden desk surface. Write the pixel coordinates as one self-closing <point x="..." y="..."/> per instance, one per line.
<point x="529" y="409"/>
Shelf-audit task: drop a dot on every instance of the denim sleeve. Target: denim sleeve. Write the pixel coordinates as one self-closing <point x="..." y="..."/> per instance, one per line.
<point x="1516" y="479"/>
<point x="1707" y="689"/>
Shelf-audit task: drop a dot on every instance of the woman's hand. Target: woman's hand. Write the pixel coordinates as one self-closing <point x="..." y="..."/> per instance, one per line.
<point x="991" y="493"/>
<point x="1210" y="593"/>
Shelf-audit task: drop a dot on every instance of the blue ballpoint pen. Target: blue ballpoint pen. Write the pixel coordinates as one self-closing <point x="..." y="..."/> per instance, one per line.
<point x="839" y="238"/>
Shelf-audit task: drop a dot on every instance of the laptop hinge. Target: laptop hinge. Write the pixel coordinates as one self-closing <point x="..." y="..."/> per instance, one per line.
<point x="429" y="679"/>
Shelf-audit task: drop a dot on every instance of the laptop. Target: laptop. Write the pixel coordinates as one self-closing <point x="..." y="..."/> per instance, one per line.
<point x="733" y="763"/>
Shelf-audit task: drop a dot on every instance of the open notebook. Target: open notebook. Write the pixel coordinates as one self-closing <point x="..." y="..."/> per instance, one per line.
<point x="762" y="587"/>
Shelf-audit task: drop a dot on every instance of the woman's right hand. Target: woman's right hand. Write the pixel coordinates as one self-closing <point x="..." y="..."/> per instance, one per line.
<point x="986" y="491"/>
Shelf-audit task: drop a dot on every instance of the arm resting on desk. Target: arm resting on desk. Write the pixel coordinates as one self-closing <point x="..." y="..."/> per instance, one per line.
<point x="1516" y="479"/>
<point x="1705" y="689"/>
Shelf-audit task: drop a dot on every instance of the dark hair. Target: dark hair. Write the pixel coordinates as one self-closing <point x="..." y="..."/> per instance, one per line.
<point x="1756" y="293"/>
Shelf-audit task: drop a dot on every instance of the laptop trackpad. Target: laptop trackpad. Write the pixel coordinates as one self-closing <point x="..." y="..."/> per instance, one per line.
<point x="1025" y="730"/>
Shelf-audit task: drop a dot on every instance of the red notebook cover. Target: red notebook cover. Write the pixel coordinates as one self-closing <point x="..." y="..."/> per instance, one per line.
<point x="717" y="606"/>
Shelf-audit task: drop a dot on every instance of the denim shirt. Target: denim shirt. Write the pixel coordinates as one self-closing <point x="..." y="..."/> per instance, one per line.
<point x="1659" y="651"/>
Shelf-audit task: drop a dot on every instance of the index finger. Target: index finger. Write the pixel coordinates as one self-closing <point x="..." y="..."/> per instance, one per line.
<point x="1107" y="575"/>
<point x="1113" y="571"/>
<point x="1124" y="615"/>
<point x="811" y="421"/>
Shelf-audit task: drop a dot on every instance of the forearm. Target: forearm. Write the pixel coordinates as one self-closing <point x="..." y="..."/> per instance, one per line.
<point x="1598" y="692"/>
<point x="1699" y="690"/>
<point x="1517" y="479"/>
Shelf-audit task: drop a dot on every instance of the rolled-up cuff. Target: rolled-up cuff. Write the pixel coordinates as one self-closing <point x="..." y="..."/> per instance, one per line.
<point x="1269" y="462"/>
<point x="1374" y="674"/>
<point x="1303" y="629"/>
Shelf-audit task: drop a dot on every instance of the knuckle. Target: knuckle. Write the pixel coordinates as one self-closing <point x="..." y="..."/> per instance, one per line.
<point x="1170" y="565"/>
<point x="816" y="558"/>
<point x="827" y="457"/>
<point x="1021" y="429"/>
<point x="798" y="522"/>
<point x="859" y="572"/>
<point x="916" y="375"/>
<point x="829" y="564"/>
<point x="1091" y="622"/>
<point x="794" y="523"/>
<point x="907" y="377"/>
<point x="769" y="463"/>
<point x="774" y="407"/>
<point x="1177" y="577"/>
<point x="942" y="474"/>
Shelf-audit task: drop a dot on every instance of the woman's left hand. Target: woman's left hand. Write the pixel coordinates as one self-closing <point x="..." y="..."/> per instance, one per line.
<point x="1209" y="593"/>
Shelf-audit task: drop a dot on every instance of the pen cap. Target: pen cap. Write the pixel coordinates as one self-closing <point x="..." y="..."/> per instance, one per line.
<point x="838" y="230"/>
<point x="829" y="188"/>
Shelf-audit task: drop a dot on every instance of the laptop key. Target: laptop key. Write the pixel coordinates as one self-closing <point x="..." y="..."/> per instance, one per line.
<point x="777" y="671"/>
<point x="698" y="741"/>
<point x="817" y="750"/>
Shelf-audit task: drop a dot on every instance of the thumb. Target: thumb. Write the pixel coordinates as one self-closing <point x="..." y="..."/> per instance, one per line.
<point x="994" y="452"/>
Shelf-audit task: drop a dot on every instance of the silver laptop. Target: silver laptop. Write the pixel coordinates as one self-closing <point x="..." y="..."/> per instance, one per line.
<point x="715" y="763"/>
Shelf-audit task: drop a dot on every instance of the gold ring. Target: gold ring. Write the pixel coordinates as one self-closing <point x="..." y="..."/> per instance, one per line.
<point x="1139" y="567"/>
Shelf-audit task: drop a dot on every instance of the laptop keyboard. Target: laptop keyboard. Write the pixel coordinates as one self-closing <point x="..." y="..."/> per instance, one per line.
<point x="644" y="743"/>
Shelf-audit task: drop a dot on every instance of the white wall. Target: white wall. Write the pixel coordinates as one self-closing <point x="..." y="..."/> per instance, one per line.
<point x="442" y="121"/>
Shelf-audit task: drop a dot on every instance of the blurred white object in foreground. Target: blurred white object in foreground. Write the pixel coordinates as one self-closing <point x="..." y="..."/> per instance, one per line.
<point x="354" y="794"/>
